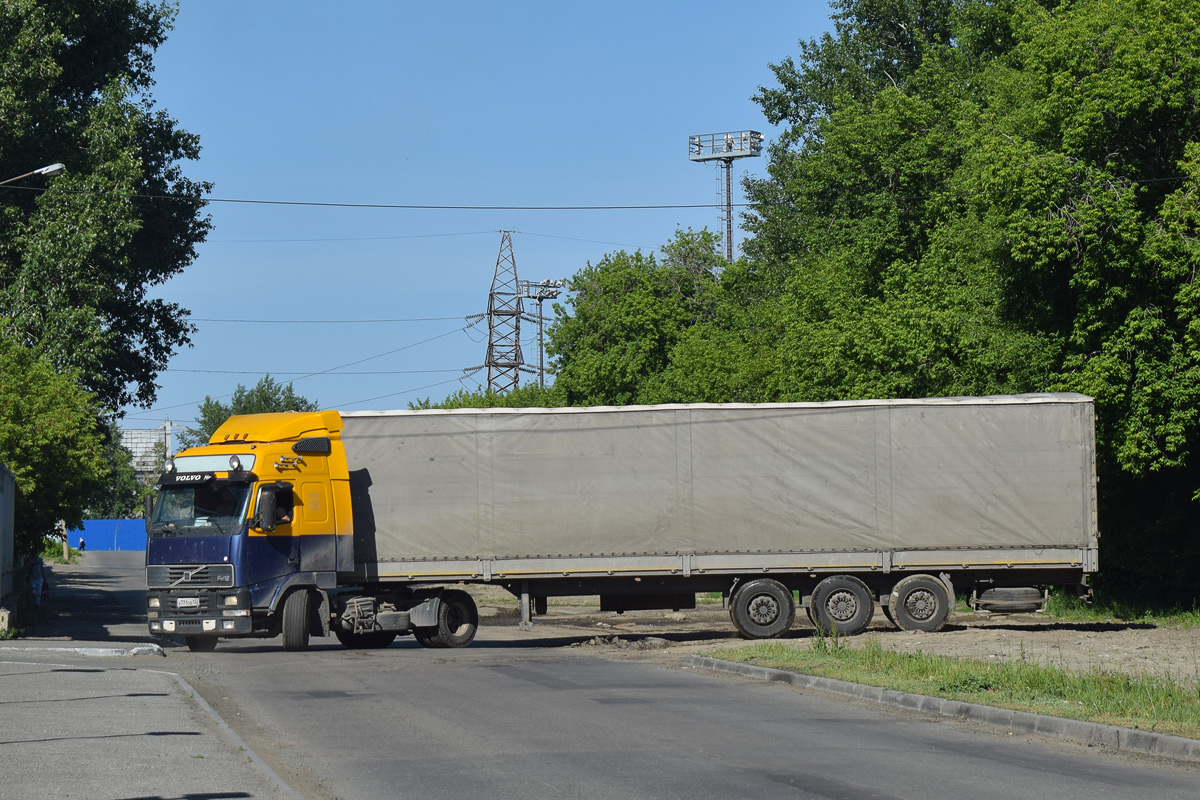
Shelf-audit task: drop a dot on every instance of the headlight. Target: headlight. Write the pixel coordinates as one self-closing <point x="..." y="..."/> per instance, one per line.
<point x="153" y="602"/>
<point x="229" y="600"/>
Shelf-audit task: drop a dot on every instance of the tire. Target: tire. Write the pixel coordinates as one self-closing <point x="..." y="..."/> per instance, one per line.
<point x="808" y="610"/>
<point x="295" y="621"/>
<point x="762" y="609"/>
<point x="920" y="603"/>
<point x="843" y="604"/>
<point x="458" y="621"/>
<point x="201" y="644"/>
<point x="1019" y="600"/>
<point x="424" y="636"/>
<point x="374" y="640"/>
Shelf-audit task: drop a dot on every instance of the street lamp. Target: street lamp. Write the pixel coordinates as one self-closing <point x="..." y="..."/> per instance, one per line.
<point x="48" y="171"/>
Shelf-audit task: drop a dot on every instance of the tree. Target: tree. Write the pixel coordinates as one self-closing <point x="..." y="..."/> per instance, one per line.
<point x="79" y="254"/>
<point x="51" y="441"/>
<point x="628" y="312"/>
<point x="266" y="396"/>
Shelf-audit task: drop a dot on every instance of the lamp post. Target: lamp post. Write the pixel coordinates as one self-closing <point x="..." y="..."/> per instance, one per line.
<point x="48" y="171"/>
<point x="540" y="290"/>
<point x="726" y="147"/>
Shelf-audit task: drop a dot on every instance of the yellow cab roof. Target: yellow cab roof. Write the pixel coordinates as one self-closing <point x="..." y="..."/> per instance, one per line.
<point x="278" y="426"/>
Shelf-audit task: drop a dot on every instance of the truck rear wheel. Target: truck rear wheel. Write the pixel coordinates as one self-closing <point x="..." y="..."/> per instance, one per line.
<point x="762" y="609"/>
<point x="201" y="644"/>
<point x="295" y="620"/>
<point x="374" y="640"/>
<point x="458" y="620"/>
<point x="842" y="604"/>
<point x="920" y="603"/>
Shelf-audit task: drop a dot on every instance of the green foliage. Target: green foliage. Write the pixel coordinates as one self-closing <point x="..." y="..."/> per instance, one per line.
<point x="528" y="396"/>
<point x="626" y="313"/>
<point x="78" y="260"/>
<point x="266" y="396"/>
<point x="52" y="442"/>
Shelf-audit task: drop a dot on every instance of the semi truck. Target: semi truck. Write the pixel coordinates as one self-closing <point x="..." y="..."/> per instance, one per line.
<point x="370" y="525"/>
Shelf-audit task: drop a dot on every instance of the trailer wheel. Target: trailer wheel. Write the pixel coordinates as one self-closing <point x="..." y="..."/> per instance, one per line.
<point x="762" y="609"/>
<point x="842" y="604"/>
<point x="374" y="640"/>
<point x="920" y="603"/>
<point x="458" y="620"/>
<point x="295" y="620"/>
<point x="201" y="644"/>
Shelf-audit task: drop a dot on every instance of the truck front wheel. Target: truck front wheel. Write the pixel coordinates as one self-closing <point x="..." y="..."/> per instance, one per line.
<point x="920" y="603"/>
<point x="201" y="644"/>
<point x="295" y="620"/>
<point x="762" y="609"/>
<point x="458" y="620"/>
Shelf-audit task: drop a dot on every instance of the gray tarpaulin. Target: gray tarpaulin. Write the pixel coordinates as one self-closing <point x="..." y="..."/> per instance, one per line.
<point x="992" y="472"/>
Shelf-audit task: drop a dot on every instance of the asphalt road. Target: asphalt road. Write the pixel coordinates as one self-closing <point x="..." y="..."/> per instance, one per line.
<point x="523" y="715"/>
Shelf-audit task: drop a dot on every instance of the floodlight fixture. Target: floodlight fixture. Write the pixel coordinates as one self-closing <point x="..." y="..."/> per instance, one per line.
<point x="724" y="146"/>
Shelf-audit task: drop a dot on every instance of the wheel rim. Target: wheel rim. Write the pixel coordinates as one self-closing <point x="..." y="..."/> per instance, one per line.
<point x="763" y="609"/>
<point x="842" y="605"/>
<point x="921" y="604"/>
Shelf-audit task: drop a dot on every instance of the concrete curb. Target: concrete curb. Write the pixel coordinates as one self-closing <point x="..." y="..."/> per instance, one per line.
<point x="238" y="741"/>
<point x="1091" y="733"/>
<point x="95" y="651"/>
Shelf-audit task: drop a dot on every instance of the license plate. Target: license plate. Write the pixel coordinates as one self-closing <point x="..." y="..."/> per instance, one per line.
<point x="187" y="602"/>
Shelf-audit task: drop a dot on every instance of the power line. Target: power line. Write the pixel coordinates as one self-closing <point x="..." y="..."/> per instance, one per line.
<point x="325" y="321"/>
<point x="348" y="238"/>
<point x="285" y="374"/>
<point x="333" y="370"/>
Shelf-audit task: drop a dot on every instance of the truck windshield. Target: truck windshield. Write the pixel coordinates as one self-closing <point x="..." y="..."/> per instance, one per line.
<point x="207" y="509"/>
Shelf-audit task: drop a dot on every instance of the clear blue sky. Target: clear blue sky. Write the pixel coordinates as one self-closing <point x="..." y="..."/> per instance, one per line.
<point x="452" y="104"/>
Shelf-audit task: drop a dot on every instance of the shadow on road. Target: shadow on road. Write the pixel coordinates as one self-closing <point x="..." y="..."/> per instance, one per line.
<point x="100" y="598"/>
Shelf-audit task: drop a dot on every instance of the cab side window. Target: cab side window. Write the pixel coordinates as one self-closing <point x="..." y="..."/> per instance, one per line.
<point x="285" y="507"/>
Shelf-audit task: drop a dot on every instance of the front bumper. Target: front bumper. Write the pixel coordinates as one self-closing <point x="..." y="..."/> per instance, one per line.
<point x="199" y="612"/>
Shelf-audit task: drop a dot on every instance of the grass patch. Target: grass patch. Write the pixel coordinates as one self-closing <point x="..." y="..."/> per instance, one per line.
<point x="1067" y="606"/>
<point x="52" y="553"/>
<point x="1143" y="701"/>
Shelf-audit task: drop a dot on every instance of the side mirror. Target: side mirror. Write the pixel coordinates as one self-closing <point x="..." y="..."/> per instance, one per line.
<point x="149" y="511"/>
<point x="266" y="509"/>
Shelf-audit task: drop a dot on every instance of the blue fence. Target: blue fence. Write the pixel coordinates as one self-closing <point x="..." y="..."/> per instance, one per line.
<point x="111" y="534"/>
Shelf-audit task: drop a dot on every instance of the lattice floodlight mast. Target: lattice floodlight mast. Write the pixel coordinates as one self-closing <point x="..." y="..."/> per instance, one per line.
<point x="726" y="147"/>
<point x="504" y="359"/>
<point x="541" y="291"/>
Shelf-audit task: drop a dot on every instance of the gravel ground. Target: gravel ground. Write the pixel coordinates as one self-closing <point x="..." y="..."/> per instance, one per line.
<point x="1134" y="648"/>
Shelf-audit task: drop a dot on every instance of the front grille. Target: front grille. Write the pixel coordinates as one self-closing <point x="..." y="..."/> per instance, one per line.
<point x="189" y="576"/>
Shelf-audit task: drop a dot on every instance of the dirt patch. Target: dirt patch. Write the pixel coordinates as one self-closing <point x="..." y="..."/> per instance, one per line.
<point x="1132" y="648"/>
